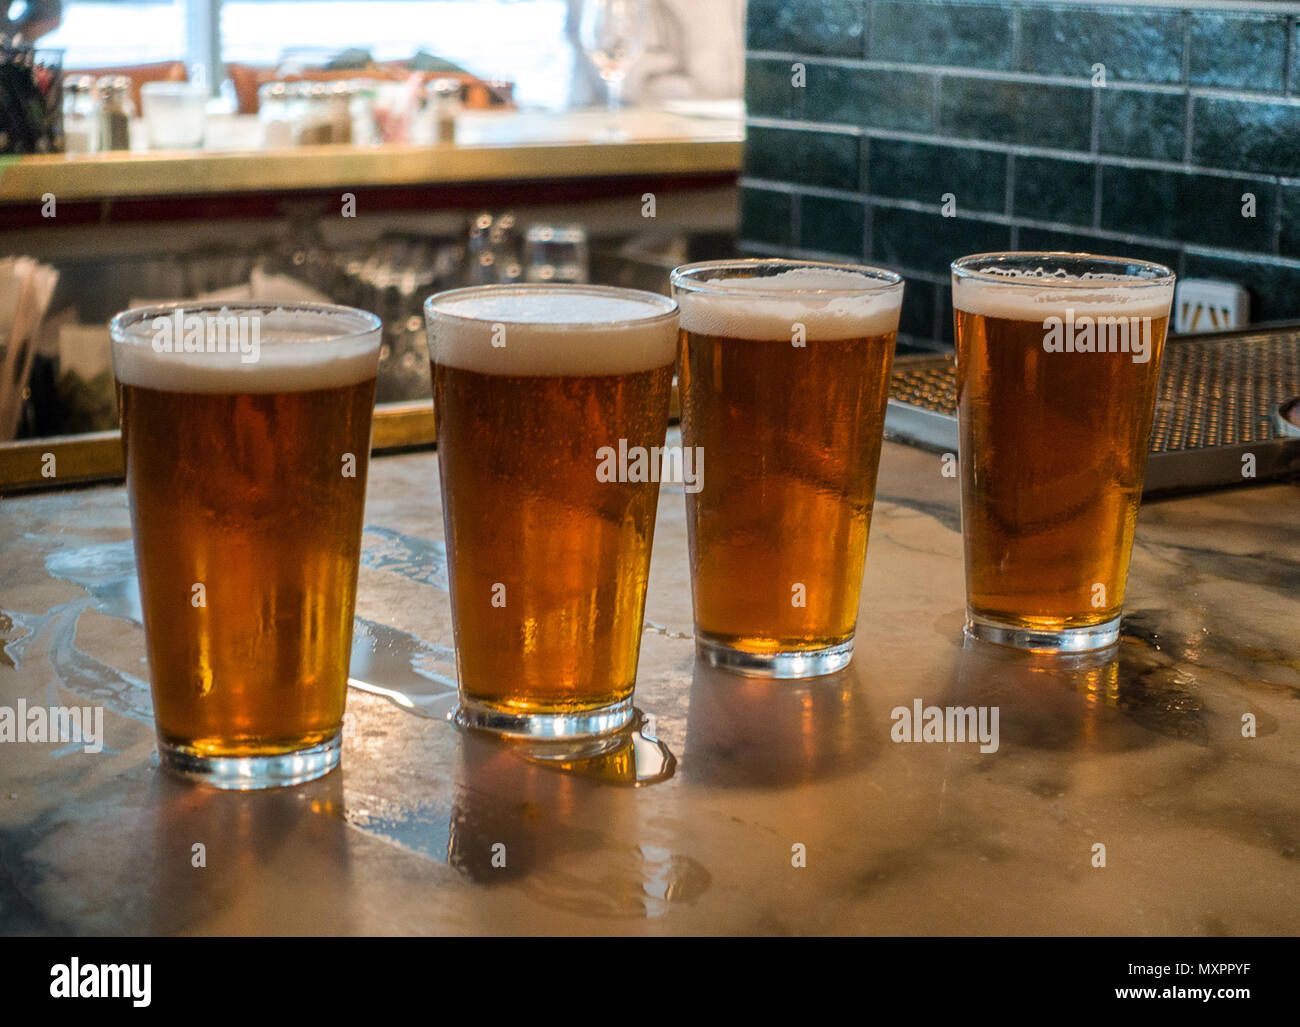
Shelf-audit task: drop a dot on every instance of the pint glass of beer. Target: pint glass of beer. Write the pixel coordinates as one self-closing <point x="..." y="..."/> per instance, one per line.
<point x="551" y="406"/>
<point x="246" y="431"/>
<point x="1058" y="359"/>
<point x="784" y="378"/>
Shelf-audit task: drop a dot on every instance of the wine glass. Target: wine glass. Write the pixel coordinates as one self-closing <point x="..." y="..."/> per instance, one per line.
<point x="612" y="33"/>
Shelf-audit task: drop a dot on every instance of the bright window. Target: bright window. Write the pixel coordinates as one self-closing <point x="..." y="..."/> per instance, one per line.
<point x="519" y="40"/>
<point x="120" y="32"/>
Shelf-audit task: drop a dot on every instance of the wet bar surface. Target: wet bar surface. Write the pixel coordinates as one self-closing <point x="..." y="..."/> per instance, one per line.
<point x="1142" y="753"/>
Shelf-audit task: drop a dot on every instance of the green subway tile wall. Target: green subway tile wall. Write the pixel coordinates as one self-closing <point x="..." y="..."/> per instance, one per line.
<point x="910" y="132"/>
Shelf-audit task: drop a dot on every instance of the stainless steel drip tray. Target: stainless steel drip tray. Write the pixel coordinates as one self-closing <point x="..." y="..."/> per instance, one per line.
<point x="1218" y="402"/>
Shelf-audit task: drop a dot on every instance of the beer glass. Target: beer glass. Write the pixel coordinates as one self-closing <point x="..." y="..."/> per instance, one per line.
<point x="1058" y="360"/>
<point x="784" y="378"/>
<point x="246" y="433"/>
<point x="551" y="406"/>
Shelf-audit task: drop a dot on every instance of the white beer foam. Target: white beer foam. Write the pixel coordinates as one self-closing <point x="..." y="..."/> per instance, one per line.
<point x="295" y="353"/>
<point x="1038" y="296"/>
<point x="818" y="298"/>
<point x="569" y="331"/>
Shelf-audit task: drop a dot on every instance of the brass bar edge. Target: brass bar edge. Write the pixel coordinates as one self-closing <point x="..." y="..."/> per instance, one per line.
<point x="133" y="175"/>
<point x="60" y="461"/>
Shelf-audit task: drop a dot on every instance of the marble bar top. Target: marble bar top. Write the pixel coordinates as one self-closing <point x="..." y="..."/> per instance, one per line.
<point x="1142" y="753"/>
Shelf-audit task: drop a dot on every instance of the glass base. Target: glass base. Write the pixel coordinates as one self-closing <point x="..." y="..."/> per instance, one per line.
<point x="1044" y="640"/>
<point x="798" y="663"/>
<point x="245" y="773"/>
<point x="541" y="727"/>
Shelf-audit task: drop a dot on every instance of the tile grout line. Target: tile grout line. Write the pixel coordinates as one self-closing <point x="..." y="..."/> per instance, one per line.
<point x="1277" y="218"/>
<point x="1009" y="200"/>
<point x="1094" y="154"/>
<point x="1016" y="35"/>
<point x="1019" y="149"/>
<point x="796" y="218"/>
<point x="991" y="218"/>
<point x="1097" y="172"/>
<point x="1187" y="81"/>
<point x="1288" y="62"/>
<point x="868" y="212"/>
<point x="1262" y="96"/>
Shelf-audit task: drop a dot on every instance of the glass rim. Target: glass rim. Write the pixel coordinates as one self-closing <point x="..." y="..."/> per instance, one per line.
<point x="121" y="325"/>
<point x="1161" y="275"/>
<point x="667" y="306"/>
<point x="684" y="277"/>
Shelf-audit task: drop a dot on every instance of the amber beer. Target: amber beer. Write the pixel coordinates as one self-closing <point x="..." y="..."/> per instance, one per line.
<point x="548" y="558"/>
<point x="784" y="379"/>
<point x="1058" y="361"/>
<point x="246" y="472"/>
